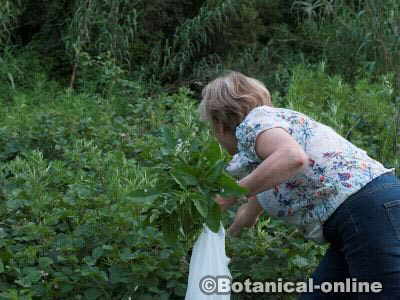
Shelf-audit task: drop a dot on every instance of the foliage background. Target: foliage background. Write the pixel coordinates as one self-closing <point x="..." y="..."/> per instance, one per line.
<point x="99" y="132"/>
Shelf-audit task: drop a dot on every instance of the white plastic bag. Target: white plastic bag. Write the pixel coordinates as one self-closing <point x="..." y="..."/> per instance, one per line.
<point x="208" y="259"/>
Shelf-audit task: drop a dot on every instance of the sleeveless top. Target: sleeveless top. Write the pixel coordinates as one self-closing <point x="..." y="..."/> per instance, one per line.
<point x="336" y="169"/>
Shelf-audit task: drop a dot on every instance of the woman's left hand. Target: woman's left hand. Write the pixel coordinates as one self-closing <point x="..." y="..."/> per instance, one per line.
<point x="246" y="216"/>
<point x="225" y="203"/>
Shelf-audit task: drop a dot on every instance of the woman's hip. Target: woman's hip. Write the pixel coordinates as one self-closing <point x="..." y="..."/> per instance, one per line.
<point x="366" y="230"/>
<point x="372" y="214"/>
<point x="377" y="194"/>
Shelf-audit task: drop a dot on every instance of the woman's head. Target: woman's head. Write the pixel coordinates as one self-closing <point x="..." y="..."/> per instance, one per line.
<point x="228" y="99"/>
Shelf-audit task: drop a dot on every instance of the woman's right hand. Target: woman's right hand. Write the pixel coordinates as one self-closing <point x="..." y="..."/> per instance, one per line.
<point x="225" y="203"/>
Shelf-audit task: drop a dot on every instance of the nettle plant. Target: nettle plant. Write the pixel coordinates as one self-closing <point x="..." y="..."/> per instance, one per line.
<point x="183" y="199"/>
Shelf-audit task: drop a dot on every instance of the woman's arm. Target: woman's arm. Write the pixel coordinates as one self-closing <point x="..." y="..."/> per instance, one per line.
<point x="282" y="158"/>
<point x="246" y="216"/>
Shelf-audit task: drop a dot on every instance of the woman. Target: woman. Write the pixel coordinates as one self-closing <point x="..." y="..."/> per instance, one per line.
<point x="305" y="173"/>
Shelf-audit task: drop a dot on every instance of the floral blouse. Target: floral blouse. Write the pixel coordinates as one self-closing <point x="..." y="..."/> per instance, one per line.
<point x="336" y="169"/>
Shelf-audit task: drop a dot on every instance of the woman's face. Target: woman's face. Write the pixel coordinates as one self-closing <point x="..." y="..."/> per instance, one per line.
<point x="225" y="138"/>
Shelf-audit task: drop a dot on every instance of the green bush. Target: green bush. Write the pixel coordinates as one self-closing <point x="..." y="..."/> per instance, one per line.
<point x="352" y="36"/>
<point x="364" y="112"/>
<point x="77" y="219"/>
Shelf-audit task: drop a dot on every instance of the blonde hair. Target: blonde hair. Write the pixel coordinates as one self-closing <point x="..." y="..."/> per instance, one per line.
<point x="230" y="97"/>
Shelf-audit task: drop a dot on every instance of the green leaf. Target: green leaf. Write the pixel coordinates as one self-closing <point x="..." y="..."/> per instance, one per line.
<point x="212" y="151"/>
<point x="44" y="262"/>
<point x="126" y="254"/>
<point x="89" y="260"/>
<point x="98" y="252"/>
<point x="92" y="294"/>
<point x="1" y="266"/>
<point x="200" y="202"/>
<point x="214" y="217"/>
<point x="32" y="276"/>
<point x="5" y="255"/>
<point x="168" y="137"/>
<point x="180" y="290"/>
<point x="118" y="274"/>
<point x="3" y="234"/>
<point x="169" y="228"/>
<point x="216" y="170"/>
<point x="178" y="181"/>
<point x="230" y="187"/>
<point x="66" y="287"/>
<point x="184" y="178"/>
<point x="142" y="197"/>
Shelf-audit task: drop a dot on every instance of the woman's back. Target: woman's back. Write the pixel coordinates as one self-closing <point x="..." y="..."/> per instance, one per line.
<point x="336" y="168"/>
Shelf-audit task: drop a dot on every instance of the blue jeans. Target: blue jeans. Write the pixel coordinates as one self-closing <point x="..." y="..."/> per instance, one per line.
<point x="364" y="242"/>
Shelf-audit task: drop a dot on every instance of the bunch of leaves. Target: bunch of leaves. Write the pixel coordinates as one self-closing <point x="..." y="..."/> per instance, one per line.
<point x="179" y="146"/>
<point x="183" y="198"/>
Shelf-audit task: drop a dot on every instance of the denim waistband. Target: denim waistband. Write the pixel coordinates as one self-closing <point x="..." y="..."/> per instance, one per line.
<point x="385" y="180"/>
<point x="382" y="181"/>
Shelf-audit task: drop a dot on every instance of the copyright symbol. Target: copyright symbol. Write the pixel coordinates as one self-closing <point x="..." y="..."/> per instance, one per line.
<point x="208" y="285"/>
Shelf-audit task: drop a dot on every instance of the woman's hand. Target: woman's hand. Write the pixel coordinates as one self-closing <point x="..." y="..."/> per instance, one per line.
<point x="246" y="216"/>
<point x="225" y="203"/>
